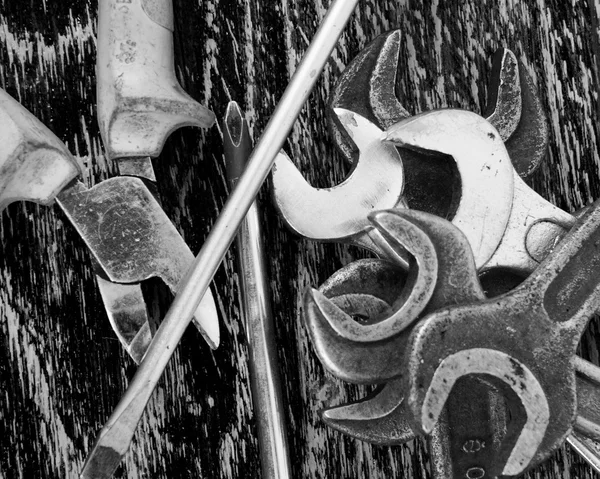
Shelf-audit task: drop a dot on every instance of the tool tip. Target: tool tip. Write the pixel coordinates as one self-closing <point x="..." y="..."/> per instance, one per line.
<point x="234" y="123"/>
<point x="236" y="142"/>
<point x="101" y="463"/>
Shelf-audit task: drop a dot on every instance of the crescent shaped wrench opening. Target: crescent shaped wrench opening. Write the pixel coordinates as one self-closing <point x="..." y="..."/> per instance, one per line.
<point x="511" y="371"/>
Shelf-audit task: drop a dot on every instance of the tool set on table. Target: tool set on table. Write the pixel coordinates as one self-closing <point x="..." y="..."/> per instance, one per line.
<point x="468" y="317"/>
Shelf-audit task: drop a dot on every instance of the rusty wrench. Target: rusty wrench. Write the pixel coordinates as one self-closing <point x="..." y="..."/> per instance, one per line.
<point x="526" y="339"/>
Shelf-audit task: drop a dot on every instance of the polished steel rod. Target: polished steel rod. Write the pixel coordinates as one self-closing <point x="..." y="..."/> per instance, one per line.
<point x="115" y="438"/>
<point x="264" y="371"/>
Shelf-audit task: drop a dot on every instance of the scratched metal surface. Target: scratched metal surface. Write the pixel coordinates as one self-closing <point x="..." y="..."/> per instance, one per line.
<point x="61" y="369"/>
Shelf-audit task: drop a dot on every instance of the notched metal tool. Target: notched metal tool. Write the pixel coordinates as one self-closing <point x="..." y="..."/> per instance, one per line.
<point x="374" y="71"/>
<point x="515" y="109"/>
<point x="340" y="212"/>
<point x="418" y="288"/>
<point x="382" y="418"/>
<point x="526" y="339"/>
<point x="511" y="228"/>
<point x="140" y="101"/>
<point x="483" y="164"/>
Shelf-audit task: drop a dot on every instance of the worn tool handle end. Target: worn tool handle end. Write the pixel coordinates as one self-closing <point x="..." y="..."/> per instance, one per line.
<point x="236" y="142"/>
<point x="140" y="100"/>
<point x="34" y="164"/>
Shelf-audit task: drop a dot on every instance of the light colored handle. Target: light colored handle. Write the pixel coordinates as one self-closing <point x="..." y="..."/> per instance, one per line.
<point x="34" y="164"/>
<point x="140" y="101"/>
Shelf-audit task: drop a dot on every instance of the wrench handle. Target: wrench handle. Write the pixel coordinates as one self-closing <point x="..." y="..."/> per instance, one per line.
<point x="570" y="277"/>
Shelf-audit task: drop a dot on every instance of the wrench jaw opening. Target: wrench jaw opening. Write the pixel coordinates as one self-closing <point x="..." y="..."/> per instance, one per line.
<point x="432" y="376"/>
<point x="399" y="234"/>
<point x="373" y="70"/>
<point x="340" y="212"/>
<point x="526" y="338"/>
<point x="483" y="164"/>
<point x="380" y="418"/>
<point x="351" y="361"/>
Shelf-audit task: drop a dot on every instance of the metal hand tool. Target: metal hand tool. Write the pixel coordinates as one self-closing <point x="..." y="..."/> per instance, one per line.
<point x="295" y="198"/>
<point x="382" y="418"/>
<point x="129" y="236"/>
<point x="526" y="339"/>
<point x="260" y="329"/>
<point x="140" y="102"/>
<point x="367" y="87"/>
<point x="376" y="182"/>
<point x="116" y="436"/>
<point x="513" y="108"/>
<point x="365" y="288"/>
<point x="533" y="224"/>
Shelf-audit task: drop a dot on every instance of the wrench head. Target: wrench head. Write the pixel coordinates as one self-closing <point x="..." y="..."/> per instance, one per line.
<point x="340" y="212"/>
<point x="516" y="111"/>
<point x="362" y="290"/>
<point x="526" y="338"/>
<point x="374" y="71"/>
<point x="486" y="172"/>
<point x="380" y="418"/>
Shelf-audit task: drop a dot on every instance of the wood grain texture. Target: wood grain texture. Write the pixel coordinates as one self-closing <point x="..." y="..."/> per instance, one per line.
<point x="62" y="369"/>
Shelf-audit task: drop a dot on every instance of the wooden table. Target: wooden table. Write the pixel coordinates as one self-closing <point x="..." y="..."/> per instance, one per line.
<point x="62" y="369"/>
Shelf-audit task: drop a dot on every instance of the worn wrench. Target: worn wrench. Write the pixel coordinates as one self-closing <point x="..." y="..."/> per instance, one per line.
<point x="382" y="418"/>
<point x="288" y="183"/>
<point x="533" y="224"/>
<point x="526" y="339"/>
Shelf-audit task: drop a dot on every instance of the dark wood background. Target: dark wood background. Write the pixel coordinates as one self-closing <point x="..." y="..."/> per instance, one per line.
<point x="61" y="368"/>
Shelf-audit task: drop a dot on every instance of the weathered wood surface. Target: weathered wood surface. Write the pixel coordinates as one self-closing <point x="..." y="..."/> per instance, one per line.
<point x="62" y="370"/>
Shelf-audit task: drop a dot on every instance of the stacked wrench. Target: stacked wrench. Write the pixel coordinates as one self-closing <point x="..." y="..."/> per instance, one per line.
<point x="521" y="227"/>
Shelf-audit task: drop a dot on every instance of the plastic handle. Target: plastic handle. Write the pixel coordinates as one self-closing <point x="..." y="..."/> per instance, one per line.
<point x="34" y="164"/>
<point x="140" y="101"/>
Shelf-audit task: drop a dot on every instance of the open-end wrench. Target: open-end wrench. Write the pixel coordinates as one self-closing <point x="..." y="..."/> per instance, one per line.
<point x="526" y="339"/>
<point x="375" y="70"/>
<point x="140" y="102"/>
<point x="533" y="225"/>
<point x="340" y="212"/>
<point x="513" y="106"/>
<point x="382" y="418"/>
<point x="366" y="287"/>
<point x="129" y="236"/>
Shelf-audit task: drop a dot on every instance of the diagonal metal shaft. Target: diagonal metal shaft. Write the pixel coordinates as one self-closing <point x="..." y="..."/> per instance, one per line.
<point x="117" y="434"/>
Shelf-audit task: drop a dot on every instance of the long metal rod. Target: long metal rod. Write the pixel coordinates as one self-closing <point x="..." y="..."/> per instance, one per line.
<point x="114" y="439"/>
<point x="260" y="330"/>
